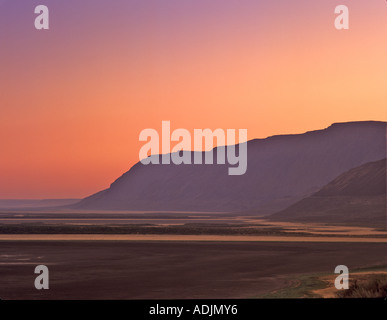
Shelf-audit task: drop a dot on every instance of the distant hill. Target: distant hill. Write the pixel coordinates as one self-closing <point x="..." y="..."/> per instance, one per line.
<point x="281" y="170"/>
<point x="357" y="196"/>
<point x="32" y="203"/>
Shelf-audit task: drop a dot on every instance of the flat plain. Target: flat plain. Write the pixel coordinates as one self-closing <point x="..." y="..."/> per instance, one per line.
<point x="136" y="256"/>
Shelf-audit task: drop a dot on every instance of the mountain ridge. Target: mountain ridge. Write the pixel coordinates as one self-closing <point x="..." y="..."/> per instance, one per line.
<point x="358" y="196"/>
<point x="281" y="170"/>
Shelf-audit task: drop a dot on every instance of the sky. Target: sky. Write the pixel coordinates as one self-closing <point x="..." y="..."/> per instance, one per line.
<point x="74" y="98"/>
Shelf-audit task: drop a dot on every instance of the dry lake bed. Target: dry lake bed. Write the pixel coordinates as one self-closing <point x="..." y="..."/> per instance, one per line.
<point x="171" y="269"/>
<point x="173" y="255"/>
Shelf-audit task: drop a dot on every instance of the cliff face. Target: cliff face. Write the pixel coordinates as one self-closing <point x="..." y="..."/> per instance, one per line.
<point x="280" y="171"/>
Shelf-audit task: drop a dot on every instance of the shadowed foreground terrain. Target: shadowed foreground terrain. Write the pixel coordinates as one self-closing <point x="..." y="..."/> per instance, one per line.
<point x="170" y="270"/>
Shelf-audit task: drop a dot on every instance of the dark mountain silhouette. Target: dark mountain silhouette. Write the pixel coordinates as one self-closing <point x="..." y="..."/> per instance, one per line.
<point x="280" y="171"/>
<point x="357" y="196"/>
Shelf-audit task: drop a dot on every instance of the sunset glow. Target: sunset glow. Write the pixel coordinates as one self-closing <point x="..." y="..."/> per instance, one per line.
<point x="74" y="98"/>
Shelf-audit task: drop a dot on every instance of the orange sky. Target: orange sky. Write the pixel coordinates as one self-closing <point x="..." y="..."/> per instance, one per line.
<point x="74" y="99"/>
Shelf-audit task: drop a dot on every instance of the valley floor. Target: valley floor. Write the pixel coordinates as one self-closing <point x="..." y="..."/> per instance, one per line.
<point x="173" y="269"/>
<point x="177" y="255"/>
